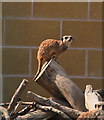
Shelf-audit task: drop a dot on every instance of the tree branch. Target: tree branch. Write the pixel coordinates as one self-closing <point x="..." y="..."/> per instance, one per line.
<point x="36" y="115"/>
<point x="5" y="112"/>
<point x="54" y="79"/>
<point x="42" y="100"/>
<point x="17" y="95"/>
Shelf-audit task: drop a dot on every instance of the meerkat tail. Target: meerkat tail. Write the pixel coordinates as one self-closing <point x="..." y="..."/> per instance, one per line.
<point x="39" y="68"/>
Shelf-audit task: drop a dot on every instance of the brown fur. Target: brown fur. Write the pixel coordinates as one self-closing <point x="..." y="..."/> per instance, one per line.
<point x="48" y="49"/>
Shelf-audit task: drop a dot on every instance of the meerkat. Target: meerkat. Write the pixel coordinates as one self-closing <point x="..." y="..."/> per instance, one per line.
<point x="50" y="49"/>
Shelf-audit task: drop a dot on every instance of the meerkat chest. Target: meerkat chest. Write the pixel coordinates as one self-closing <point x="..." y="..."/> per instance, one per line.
<point x="63" y="48"/>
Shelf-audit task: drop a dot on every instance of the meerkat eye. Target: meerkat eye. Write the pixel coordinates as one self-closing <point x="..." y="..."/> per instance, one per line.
<point x="66" y="37"/>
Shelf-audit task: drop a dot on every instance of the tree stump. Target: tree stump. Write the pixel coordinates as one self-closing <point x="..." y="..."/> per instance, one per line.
<point x="54" y="79"/>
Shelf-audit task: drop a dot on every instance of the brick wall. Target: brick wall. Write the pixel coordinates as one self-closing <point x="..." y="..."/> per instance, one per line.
<point x="25" y="25"/>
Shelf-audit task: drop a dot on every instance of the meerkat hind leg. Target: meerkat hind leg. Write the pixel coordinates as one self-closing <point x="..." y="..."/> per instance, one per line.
<point x="39" y="69"/>
<point x="44" y="67"/>
<point x="46" y="64"/>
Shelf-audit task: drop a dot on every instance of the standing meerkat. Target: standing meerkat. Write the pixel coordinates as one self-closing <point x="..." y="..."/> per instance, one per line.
<point x="52" y="48"/>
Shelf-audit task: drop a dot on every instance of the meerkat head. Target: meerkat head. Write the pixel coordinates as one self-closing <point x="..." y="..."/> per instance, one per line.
<point x="67" y="39"/>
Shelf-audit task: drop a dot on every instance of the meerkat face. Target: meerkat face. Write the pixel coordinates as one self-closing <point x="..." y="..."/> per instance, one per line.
<point x="67" y="39"/>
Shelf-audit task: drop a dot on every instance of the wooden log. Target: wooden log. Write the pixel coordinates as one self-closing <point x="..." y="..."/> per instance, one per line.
<point x="17" y="107"/>
<point x="71" y="113"/>
<point x="32" y="106"/>
<point x="22" y="112"/>
<point x="52" y="109"/>
<point x="17" y="95"/>
<point x="54" y="79"/>
<point x="5" y="113"/>
<point x="100" y="91"/>
<point x="36" y="115"/>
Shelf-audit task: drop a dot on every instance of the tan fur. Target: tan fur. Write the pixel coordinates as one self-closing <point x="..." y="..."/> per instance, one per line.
<point x="48" y="49"/>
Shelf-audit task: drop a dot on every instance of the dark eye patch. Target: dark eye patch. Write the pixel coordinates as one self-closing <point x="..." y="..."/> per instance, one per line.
<point x="66" y="37"/>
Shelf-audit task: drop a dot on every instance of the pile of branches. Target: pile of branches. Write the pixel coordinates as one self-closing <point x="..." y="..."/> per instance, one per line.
<point x="67" y="101"/>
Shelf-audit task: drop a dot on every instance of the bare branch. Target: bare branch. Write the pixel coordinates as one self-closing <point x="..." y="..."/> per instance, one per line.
<point x="50" y="108"/>
<point x="42" y="100"/>
<point x="17" y="107"/>
<point x="5" y="112"/>
<point x="36" y="115"/>
<point x="17" y="95"/>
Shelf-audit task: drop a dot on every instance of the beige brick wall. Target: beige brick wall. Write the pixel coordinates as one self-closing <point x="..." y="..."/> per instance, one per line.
<point x="25" y="25"/>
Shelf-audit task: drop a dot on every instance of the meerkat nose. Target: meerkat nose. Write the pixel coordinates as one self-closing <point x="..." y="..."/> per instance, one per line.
<point x="71" y="39"/>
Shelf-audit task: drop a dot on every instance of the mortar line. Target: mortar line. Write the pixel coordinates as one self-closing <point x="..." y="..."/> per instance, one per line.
<point x="36" y="47"/>
<point x="57" y="19"/>
<point x="88" y="77"/>
<point x="86" y="62"/>
<point x="25" y="75"/>
<point x="61" y="23"/>
<point x="10" y="46"/>
<point x="88" y="9"/>
<point x="16" y="75"/>
<point x="30" y="62"/>
<point x="32" y="8"/>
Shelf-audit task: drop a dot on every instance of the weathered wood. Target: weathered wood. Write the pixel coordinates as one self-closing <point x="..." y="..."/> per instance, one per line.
<point x="36" y="115"/>
<point x="32" y="106"/>
<point x="17" y="107"/>
<point x="5" y="113"/>
<point x="72" y="113"/>
<point x="100" y="91"/>
<point x="22" y="112"/>
<point x="17" y="95"/>
<point x="54" y="79"/>
<point x="52" y="109"/>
